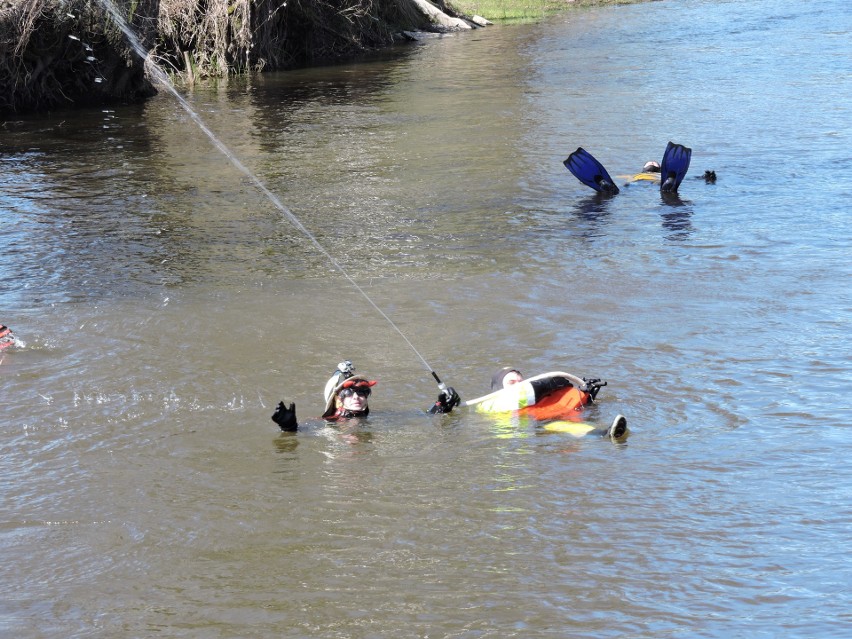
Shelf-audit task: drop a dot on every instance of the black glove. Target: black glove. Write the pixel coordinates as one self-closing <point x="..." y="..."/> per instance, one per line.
<point x="447" y="400"/>
<point x="286" y="417"/>
<point x="592" y="386"/>
<point x="544" y="387"/>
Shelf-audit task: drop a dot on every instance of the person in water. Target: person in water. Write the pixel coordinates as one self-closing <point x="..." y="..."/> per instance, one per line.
<point x="506" y="377"/>
<point x="651" y="172"/>
<point x="347" y="396"/>
<point x="669" y="173"/>
<point x="6" y="337"/>
<point x="349" y="399"/>
<point x="509" y="377"/>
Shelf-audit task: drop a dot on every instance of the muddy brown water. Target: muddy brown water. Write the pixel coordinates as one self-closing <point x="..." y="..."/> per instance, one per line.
<point x="166" y="305"/>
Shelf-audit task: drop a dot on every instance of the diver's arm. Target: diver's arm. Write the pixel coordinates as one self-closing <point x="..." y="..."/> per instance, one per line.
<point x="447" y="400"/>
<point x="286" y="417"/>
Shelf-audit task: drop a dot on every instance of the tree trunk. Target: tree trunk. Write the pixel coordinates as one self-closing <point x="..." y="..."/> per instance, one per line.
<point x="439" y="19"/>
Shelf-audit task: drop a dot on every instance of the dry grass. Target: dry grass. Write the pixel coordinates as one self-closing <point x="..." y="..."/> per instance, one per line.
<point x="221" y="36"/>
<point x="70" y="53"/>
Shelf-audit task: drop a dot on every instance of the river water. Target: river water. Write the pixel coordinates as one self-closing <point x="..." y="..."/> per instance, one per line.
<point x="165" y="306"/>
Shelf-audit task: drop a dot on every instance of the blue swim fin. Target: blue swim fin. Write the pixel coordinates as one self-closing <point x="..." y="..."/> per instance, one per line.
<point x="674" y="166"/>
<point x="590" y="172"/>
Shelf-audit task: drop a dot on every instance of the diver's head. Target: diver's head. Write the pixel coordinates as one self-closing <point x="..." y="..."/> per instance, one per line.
<point x="505" y="377"/>
<point x="355" y="398"/>
<point x="651" y="167"/>
<point x="350" y="396"/>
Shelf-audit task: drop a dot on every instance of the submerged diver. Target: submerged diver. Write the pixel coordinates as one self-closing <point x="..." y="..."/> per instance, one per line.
<point x="670" y="172"/>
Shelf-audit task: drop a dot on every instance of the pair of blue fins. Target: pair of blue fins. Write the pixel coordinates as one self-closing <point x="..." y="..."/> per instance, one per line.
<point x="590" y="172"/>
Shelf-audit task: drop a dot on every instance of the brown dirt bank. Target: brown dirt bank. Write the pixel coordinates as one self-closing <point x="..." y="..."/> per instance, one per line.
<point x="65" y="54"/>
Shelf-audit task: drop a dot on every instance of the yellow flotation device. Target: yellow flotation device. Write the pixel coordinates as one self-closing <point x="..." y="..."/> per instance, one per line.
<point x="640" y="177"/>
<point x="650" y="177"/>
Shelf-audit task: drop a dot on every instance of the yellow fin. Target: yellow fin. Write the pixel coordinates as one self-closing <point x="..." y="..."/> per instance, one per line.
<point x="576" y="429"/>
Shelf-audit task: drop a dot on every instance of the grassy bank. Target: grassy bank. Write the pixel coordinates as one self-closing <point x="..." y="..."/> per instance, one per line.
<point x="523" y="10"/>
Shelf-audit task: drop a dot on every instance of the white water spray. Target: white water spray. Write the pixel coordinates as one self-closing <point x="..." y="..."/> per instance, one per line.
<point x="163" y="79"/>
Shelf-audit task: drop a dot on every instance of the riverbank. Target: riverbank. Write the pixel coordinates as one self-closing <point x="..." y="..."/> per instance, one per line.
<point x="72" y="54"/>
<point x="527" y="10"/>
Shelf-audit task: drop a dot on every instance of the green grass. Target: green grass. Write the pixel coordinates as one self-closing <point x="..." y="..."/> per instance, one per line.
<point x="522" y="10"/>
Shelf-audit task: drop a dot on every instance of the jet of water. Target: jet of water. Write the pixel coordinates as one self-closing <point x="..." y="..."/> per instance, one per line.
<point x="160" y="77"/>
